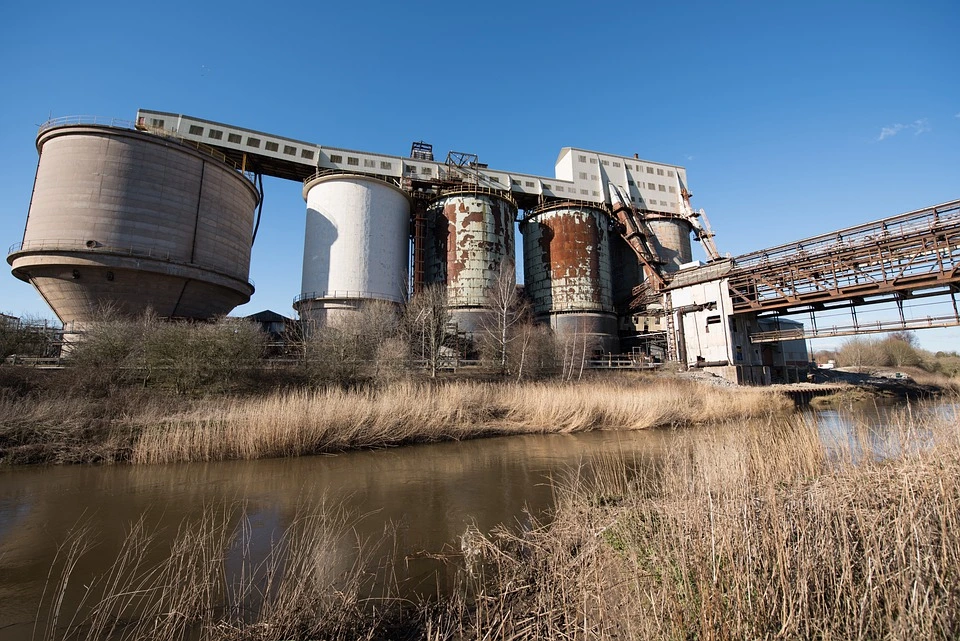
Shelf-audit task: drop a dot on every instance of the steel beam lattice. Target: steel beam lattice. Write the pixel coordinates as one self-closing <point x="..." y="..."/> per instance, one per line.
<point x="912" y="251"/>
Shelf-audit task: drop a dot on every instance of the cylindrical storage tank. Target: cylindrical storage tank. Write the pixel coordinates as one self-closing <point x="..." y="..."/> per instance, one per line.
<point x="568" y="273"/>
<point x="129" y="221"/>
<point x="471" y="236"/>
<point x="356" y="247"/>
<point x="671" y="238"/>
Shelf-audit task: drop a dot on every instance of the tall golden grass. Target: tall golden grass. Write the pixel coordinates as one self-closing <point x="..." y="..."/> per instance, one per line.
<point x="749" y="532"/>
<point x="210" y="585"/>
<point x="313" y="421"/>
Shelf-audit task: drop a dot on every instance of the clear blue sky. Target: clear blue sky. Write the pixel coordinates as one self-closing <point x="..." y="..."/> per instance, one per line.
<point x="792" y="118"/>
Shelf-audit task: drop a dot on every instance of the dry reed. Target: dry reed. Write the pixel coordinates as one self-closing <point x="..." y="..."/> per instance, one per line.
<point x="738" y="533"/>
<point x="314" y="421"/>
<point x="751" y="534"/>
<point x="210" y="585"/>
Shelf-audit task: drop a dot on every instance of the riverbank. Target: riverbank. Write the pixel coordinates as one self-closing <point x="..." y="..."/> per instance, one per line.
<point x="144" y="426"/>
<point x="739" y="531"/>
<point x="749" y="534"/>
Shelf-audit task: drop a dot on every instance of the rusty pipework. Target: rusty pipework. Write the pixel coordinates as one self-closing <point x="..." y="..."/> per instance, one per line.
<point x="632" y="232"/>
<point x="418" y="222"/>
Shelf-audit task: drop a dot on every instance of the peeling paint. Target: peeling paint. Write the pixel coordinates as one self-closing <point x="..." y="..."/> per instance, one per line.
<point x="567" y="263"/>
<point x="475" y="239"/>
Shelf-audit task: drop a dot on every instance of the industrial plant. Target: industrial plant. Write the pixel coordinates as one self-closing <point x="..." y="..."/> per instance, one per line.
<point x="162" y="214"/>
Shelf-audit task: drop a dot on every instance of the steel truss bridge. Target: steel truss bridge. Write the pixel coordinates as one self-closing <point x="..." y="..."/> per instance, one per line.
<point x="895" y="260"/>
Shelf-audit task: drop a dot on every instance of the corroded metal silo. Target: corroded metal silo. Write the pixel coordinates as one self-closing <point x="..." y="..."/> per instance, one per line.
<point x="671" y="239"/>
<point x="568" y="272"/>
<point x="356" y="247"/>
<point x="130" y="221"/>
<point x="471" y="237"/>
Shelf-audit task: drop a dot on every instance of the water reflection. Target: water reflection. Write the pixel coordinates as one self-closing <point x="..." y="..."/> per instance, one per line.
<point x="424" y="496"/>
<point x="428" y="494"/>
<point x="878" y="430"/>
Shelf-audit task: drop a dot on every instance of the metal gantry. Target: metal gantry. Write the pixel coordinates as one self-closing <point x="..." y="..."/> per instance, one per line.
<point x="903" y="258"/>
<point x="912" y="251"/>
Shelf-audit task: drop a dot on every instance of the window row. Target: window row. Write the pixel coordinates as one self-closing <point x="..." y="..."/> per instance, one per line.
<point x="353" y="161"/>
<point x="650" y="170"/>
<point x="236" y="139"/>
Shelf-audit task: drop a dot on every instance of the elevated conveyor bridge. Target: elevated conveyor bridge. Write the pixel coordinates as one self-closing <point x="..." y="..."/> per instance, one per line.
<point x="894" y="260"/>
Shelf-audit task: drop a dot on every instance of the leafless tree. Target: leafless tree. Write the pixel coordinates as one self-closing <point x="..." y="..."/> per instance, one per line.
<point x="900" y="349"/>
<point x="534" y="350"/>
<point x="425" y="327"/>
<point x="860" y="353"/>
<point x="506" y="313"/>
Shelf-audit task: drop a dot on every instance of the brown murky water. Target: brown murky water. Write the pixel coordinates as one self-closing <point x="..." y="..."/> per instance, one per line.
<point x="428" y="495"/>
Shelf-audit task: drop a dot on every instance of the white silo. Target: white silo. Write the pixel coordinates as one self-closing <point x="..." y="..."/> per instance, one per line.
<point x="356" y="247"/>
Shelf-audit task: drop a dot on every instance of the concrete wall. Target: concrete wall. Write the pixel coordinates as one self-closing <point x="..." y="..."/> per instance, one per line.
<point x="705" y="334"/>
<point x="472" y="236"/>
<point x="130" y="221"/>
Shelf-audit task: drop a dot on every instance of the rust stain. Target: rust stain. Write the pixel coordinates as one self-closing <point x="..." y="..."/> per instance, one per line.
<point x="478" y="236"/>
<point x="571" y="252"/>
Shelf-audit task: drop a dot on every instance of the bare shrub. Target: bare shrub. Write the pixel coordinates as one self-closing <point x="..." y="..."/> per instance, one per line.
<point x="425" y="328"/>
<point x="534" y="351"/>
<point x="900" y="350"/>
<point x="108" y="353"/>
<point x="193" y="357"/>
<point x="360" y="347"/>
<point x="862" y="354"/>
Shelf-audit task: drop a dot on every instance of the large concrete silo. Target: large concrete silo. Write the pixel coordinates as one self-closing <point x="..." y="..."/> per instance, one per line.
<point x="671" y="239"/>
<point x="568" y="273"/>
<point x="129" y="221"/>
<point x="472" y="236"/>
<point x="356" y="247"/>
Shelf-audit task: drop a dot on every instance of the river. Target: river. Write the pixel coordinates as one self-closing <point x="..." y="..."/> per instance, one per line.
<point x="426" y="496"/>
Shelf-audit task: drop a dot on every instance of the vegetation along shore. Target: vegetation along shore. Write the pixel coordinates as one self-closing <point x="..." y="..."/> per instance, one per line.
<point x="150" y="391"/>
<point x="742" y="531"/>
<point x="144" y="427"/>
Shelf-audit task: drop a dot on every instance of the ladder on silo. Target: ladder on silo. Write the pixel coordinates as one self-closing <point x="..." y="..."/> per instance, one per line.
<point x="672" y="348"/>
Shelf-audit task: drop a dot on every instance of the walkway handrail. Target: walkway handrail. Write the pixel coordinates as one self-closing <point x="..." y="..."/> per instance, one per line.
<point x="119" y="123"/>
<point x="88" y="246"/>
<point x="921" y="220"/>
<point x="345" y="294"/>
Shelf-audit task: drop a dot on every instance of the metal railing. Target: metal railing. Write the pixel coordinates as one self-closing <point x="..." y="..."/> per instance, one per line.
<point x="92" y="246"/>
<point x="343" y="294"/>
<point x="65" y="121"/>
<point x="320" y="173"/>
<point x="120" y="123"/>
<point x="911" y="251"/>
<point x="921" y="221"/>
<point x="468" y="188"/>
<point x="867" y="327"/>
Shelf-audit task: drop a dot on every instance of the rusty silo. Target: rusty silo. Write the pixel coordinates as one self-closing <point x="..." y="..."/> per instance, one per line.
<point x="130" y="221"/>
<point x="568" y="272"/>
<point x="356" y="247"/>
<point x="471" y="237"/>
